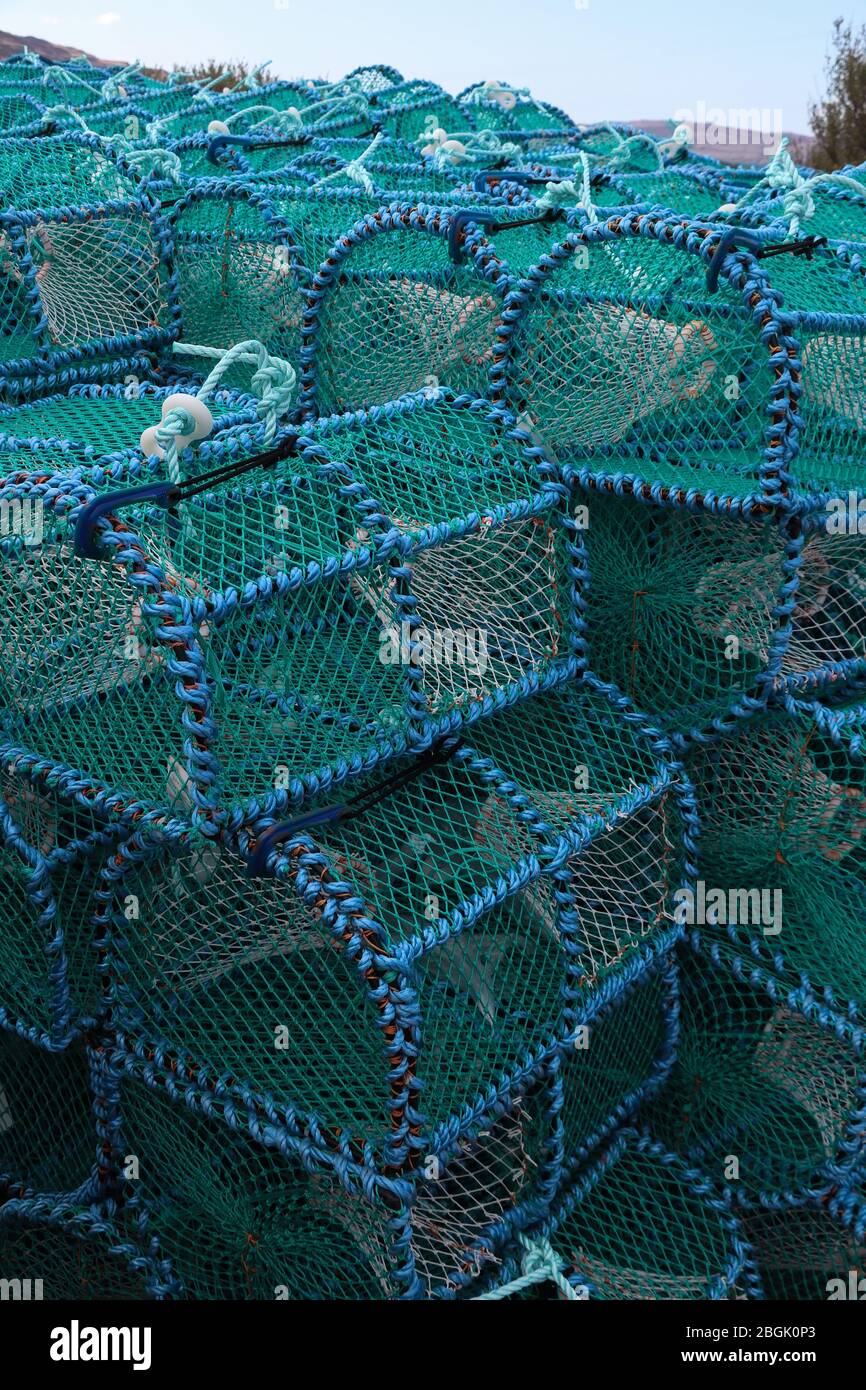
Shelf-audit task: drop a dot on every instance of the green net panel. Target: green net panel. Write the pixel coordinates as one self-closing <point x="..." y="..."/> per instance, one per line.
<point x="828" y="622"/>
<point x="74" y="430"/>
<point x="783" y="820"/>
<point x="418" y="108"/>
<point x="618" y="1062"/>
<point x="118" y="122"/>
<point x="241" y="273"/>
<point x="622" y="363"/>
<point x="19" y="109"/>
<point x="72" y="1252"/>
<point x="67" y="86"/>
<point x="53" y="845"/>
<point x="806" y="1254"/>
<point x="684" y="193"/>
<point x="392" y="311"/>
<point x="617" y="352"/>
<point x="375" y="77"/>
<point x="180" y="111"/>
<point x="620" y="147"/>
<point x="496" y="106"/>
<point x="47" y="1125"/>
<point x="824" y="300"/>
<point x="60" y="171"/>
<point x="569" y="756"/>
<point x="765" y="1095"/>
<point x="239" y="1221"/>
<point x="318" y="640"/>
<point x="468" y="1196"/>
<point x="675" y="617"/>
<point x="641" y="1226"/>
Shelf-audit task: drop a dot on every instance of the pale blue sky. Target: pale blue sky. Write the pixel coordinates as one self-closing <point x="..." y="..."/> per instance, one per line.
<point x="594" y="58"/>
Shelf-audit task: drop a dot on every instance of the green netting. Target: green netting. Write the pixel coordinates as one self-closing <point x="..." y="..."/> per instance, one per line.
<point x="682" y="605"/>
<point x="52" y="848"/>
<point x="618" y="1061"/>
<point x="805" y="1254"/>
<point x="670" y="189"/>
<point x="643" y="1227"/>
<point x="358" y="1059"/>
<point x="763" y="1095"/>
<point x="72" y="1253"/>
<point x="402" y="316"/>
<point x="836" y="213"/>
<point x="783" y="819"/>
<point x="238" y="276"/>
<point x="59" y="171"/>
<point x="18" y="109"/>
<point x="47" y="1125"/>
<point x="416" y="109"/>
<point x="238" y="1221"/>
<point x="465" y="1198"/>
<point x="68" y="431"/>
<point x="446" y="869"/>
<point x="826" y="299"/>
<point x="310" y="668"/>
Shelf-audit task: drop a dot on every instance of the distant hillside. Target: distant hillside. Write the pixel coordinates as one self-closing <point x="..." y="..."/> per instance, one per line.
<point x="740" y="147"/>
<point x="58" y="52"/>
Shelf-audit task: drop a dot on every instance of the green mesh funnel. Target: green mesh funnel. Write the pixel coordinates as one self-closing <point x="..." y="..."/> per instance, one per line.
<point x="82" y="254"/>
<point x="641" y="1225"/>
<point x="669" y="188"/>
<point x="783" y="819"/>
<point x="805" y="1254"/>
<point x="70" y="1252"/>
<point x="674" y="617"/>
<point x="240" y="1222"/>
<point x="47" y="1126"/>
<point x="687" y="627"/>
<point x="764" y="1095"/>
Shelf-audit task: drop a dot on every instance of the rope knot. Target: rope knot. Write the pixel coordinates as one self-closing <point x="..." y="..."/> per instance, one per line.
<point x="799" y="204"/>
<point x="164" y="162"/>
<point x="174" y="425"/>
<point x="540" y="1260"/>
<point x="274" y="383"/>
<point x="564" y="194"/>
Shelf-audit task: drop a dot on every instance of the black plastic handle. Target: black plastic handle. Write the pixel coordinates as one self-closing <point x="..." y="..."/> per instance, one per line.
<point x="728" y="241"/>
<point x="85" y="526"/>
<point x="285" y="830"/>
<point x="459" y="221"/>
<point x="481" y="181"/>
